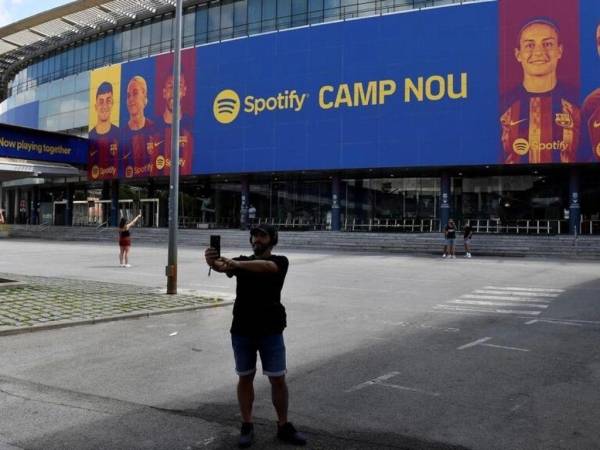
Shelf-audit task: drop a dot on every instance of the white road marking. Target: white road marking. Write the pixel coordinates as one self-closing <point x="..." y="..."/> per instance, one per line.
<point x="381" y="382"/>
<point x="422" y="326"/>
<point x="558" y="322"/>
<point x="483" y="343"/>
<point x="585" y="322"/>
<point x="486" y="303"/>
<point x="505" y="348"/>
<point x="502" y="300"/>
<point x="507" y="298"/>
<point x="512" y="288"/>
<point x="474" y="343"/>
<point x="373" y="381"/>
<point x="405" y="388"/>
<point x="488" y="311"/>
<point x="514" y="311"/>
<point x="515" y="293"/>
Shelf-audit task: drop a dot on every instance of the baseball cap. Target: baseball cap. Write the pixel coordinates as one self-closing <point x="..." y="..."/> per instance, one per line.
<point x="270" y="230"/>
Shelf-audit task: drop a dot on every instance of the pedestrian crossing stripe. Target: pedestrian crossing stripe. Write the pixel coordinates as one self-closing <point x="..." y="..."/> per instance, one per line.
<point x="512" y="288"/>
<point x="484" y="303"/>
<point x="508" y="300"/>
<point x="488" y="311"/>
<point x="516" y="293"/>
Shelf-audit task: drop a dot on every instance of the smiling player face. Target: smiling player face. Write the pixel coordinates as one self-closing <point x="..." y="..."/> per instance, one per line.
<point x="168" y="92"/>
<point x="539" y="50"/>
<point x="136" y="98"/>
<point x="104" y="103"/>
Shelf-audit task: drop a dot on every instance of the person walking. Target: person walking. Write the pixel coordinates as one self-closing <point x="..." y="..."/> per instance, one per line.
<point x="125" y="240"/>
<point x="450" y="237"/>
<point x="259" y="319"/>
<point x="467" y="235"/>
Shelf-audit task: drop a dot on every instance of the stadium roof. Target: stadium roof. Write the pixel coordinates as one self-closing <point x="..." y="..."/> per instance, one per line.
<point x="59" y="26"/>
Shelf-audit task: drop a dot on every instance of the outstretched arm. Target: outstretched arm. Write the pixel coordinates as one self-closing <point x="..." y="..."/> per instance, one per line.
<point x="132" y="223"/>
<point x="258" y="265"/>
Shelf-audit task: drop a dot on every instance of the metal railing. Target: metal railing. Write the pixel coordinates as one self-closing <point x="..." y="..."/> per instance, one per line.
<point x="402" y="225"/>
<point x="524" y="226"/>
<point x="590" y="227"/>
<point x="294" y="223"/>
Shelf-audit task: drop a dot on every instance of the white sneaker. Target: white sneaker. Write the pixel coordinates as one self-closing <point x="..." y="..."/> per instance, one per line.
<point x="444" y="255"/>
<point x="127" y="265"/>
<point x="468" y="255"/>
<point x="453" y="257"/>
<point x="121" y="265"/>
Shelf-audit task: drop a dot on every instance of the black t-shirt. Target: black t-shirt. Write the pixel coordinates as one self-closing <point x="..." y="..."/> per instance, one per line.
<point x="450" y="232"/>
<point x="257" y="310"/>
<point x="467" y="231"/>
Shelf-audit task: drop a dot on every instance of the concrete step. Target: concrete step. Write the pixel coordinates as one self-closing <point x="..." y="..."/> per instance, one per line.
<point x="586" y="247"/>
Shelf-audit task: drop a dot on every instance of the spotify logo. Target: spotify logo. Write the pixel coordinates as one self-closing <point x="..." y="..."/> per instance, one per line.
<point x="521" y="146"/>
<point x="226" y="106"/>
<point x="160" y="162"/>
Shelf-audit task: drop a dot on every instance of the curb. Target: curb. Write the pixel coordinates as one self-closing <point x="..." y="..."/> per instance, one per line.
<point x="7" y="331"/>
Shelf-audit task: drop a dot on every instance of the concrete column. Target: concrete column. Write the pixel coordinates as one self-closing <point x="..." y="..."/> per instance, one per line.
<point x="151" y="188"/>
<point x="245" y="201"/>
<point x="29" y="205"/>
<point x="574" y="206"/>
<point x="35" y="206"/>
<point x="359" y="198"/>
<point x="445" y="195"/>
<point x="105" y="196"/>
<point x="114" y="204"/>
<point x="336" y="224"/>
<point x="69" y="206"/>
<point x="9" y="206"/>
<point x="17" y="200"/>
<point x="218" y="212"/>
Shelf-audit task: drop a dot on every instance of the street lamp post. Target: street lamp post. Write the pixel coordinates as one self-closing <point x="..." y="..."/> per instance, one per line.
<point x="171" y="269"/>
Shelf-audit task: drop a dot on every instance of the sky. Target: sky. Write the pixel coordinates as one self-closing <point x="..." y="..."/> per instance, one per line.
<point x="15" y="10"/>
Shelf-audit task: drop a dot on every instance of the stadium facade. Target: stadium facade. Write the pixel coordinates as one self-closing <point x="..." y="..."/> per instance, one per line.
<point x="310" y="114"/>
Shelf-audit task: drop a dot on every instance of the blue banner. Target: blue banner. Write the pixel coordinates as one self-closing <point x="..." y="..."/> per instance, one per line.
<point x="408" y="89"/>
<point x="36" y="145"/>
<point x="488" y="83"/>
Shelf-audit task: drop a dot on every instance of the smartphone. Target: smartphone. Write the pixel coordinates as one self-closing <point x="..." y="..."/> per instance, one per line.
<point x="215" y="242"/>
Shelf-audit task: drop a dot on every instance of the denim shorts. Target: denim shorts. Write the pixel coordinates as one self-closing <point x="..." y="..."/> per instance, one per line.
<point x="450" y="241"/>
<point x="271" y="349"/>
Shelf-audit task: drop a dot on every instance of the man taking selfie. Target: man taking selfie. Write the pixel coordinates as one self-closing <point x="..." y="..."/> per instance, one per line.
<point x="259" y="319"/>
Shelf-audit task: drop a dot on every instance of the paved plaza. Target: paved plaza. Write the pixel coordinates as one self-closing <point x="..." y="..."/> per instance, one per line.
<point x="41" y="302"/>
<point x="384" y="352"/>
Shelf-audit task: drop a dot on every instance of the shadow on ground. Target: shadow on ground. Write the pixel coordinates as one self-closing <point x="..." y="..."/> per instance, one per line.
<point x="485" y="398"/>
